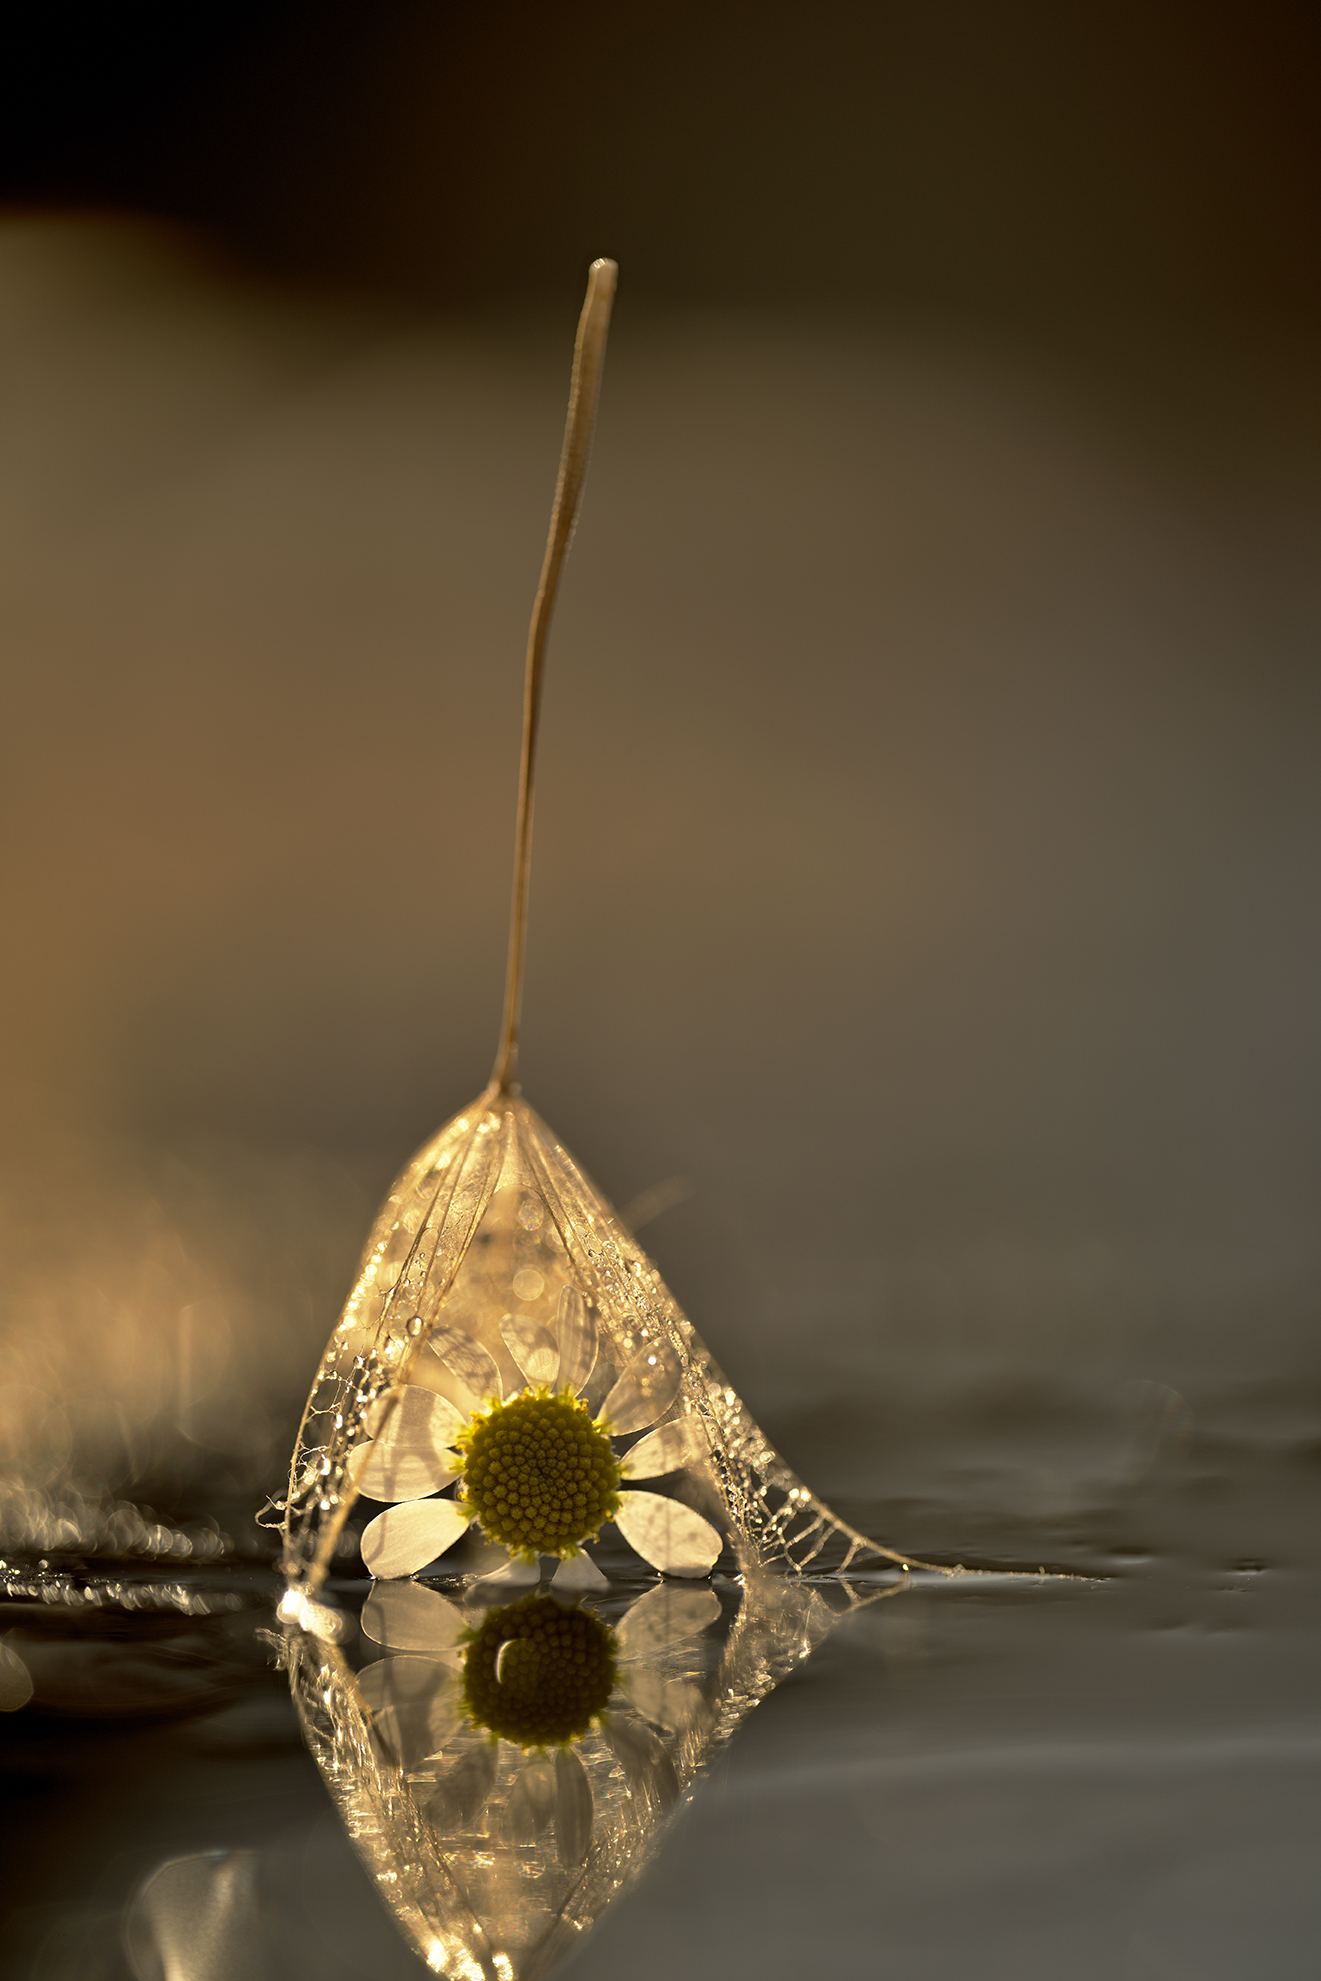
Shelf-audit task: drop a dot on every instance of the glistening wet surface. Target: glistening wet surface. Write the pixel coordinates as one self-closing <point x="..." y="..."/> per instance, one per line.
<point x="1110" y="1777"/>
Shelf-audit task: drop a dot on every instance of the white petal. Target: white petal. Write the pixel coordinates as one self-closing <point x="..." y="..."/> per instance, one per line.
<point x="512" y="1574"/>
<point x="413" y="1707"/>
<point x="408" y="1617"/>
<point x="598" y="1385"/>
<point x="665" y="1450"/>
<point x="469" y="1361"/>
<point x="671" y="1702"/>
<point x="576" y="1330"/>
<point x="410" y="1458"/>
<point x="573" y="1807"/>
<point x="667" y="1534"/>
<point x="405" y="1538"/>
<point x="401" y="1474"/>
<point x="577" y="1576"/>
<point x="666" y="1616"/>
<point x="532" y="1347"/>
<point x="531" y="1803"/>
<point x="644" y="1758"/>
<point x="461" y="1795"/>
<point x="645" y="1391"/>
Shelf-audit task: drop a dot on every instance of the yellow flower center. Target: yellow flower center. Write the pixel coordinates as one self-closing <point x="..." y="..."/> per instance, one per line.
<point x="539" y="1474"/>
<point x="538" y="1674"/>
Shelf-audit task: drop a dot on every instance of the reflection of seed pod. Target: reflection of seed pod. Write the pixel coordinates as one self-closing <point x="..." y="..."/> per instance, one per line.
<point x="539" y="1674"/>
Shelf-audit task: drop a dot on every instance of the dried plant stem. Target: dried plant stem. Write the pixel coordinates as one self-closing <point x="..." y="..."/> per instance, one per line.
<point x="588" y="359"/>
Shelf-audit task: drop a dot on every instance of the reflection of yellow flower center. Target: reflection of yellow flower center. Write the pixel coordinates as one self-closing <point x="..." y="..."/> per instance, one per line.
<point x="539" y="1474"/>
<point x="538" y="1674"/>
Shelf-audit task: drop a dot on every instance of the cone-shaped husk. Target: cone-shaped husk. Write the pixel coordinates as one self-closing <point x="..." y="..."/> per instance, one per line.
<point x="495" y="1268"/>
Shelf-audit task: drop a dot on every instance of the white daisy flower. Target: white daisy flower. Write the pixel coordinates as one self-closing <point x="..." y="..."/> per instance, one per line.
<point x="529" y="1462"/>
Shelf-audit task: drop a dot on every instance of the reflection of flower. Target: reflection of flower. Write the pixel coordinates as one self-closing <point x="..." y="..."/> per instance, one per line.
<point x="538" y="1673"/>
<point x="533" y="1468"/>
<point x="459" y="1687"/>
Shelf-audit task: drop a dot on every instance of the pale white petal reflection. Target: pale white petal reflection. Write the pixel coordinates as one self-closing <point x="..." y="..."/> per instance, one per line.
<point x="666" y="1616"/>
<point x="531" y="1803"/>
<point x="573" y="1807"/>
<point x="671" y="1702"/>
<point x="462" y="1792"/>
<point x="405" y="1616"/>
<point x="412" y="1707"/>
<point x="645" y="1759"/>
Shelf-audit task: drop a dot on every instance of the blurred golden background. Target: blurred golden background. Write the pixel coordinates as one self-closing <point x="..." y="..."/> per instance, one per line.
<point x="926" y="852"/>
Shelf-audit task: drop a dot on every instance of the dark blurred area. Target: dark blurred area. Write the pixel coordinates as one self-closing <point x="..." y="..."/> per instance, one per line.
<point x="1124" y="170"/>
